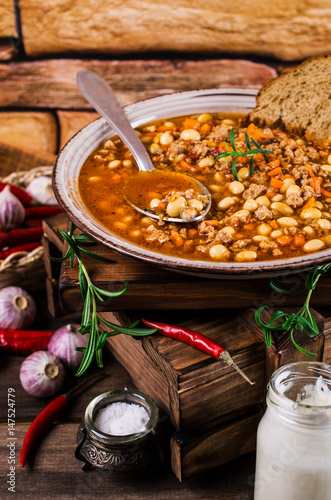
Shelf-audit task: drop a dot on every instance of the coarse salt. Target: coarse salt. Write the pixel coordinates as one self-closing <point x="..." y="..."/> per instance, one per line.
<point x="121" y="419"/>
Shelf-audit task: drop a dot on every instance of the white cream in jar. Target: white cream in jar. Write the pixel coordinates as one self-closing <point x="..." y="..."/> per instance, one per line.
<point x="294" y="436"/>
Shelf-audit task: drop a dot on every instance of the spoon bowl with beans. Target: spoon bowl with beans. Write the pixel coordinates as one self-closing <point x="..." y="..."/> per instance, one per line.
<point x="161" y="195"/>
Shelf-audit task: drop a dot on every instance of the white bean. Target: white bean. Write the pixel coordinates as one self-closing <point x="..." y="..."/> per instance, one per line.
<point x="155" y="202"/>
<point x="287" y="222"/>
<point x="173" y="207"/>
<point x="205" y="118"/>
<point x="264" y="229"/>
<point x="226" y="203"/>
<point x="277" y="197"/>
<point x="206" y="162"/>
<point x="114" y="164"/>
<point x="236" y="187"/>
<point x="246" y="256"/>
<point x="310" y="213"/>
<point x="263" y="201"/>
<point x="219" y="252"/>
<point x="190" y="134"/>
<point x="313" y="245"/>
<point x="282" y="208"/>
<point x="324" y="224"/>
<point x="250" y="205"/>
<point x="166" y="138"/>
<point x="277" y="233"/>
<point x="243" y="173"/>
<point x="197" y="204"/>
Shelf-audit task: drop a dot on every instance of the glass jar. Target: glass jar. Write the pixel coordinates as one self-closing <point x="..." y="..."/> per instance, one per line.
<point x="293" y="460"/>
<point x="128" y="452"/>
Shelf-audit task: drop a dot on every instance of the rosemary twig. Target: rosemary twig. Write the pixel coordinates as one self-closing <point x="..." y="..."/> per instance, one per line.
<point x="303" y="320"/>
<point x="236" y="153"/>
<point x="91" y="322"/>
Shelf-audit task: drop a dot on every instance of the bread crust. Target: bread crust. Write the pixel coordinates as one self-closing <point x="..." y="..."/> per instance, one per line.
<point x="298" y="100"/>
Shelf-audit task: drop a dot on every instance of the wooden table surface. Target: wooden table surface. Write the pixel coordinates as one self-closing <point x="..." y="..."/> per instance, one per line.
<point x="54" y="472"/>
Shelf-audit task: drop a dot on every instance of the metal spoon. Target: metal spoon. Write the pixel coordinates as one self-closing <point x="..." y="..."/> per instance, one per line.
<point x="98" y="93"/>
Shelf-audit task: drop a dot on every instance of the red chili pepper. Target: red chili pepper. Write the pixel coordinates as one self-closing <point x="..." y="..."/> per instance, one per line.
<point x="20" y="236"/>
<point x="33" y="222"/>
<point x="20" y="248"/>
<point x="41" y="212"/>
<point x="197" y="340"/>
<point x="20" y="193"/>
<point x="45" y="419"/>
<point x="23" y="342"/>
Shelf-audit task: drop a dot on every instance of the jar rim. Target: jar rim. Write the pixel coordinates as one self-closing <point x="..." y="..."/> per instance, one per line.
<point x="316" y="367"/>
<point x="130" y="396"/>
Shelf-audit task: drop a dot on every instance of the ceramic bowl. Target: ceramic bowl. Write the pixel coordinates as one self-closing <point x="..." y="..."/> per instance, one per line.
<point x="76" y="151"/>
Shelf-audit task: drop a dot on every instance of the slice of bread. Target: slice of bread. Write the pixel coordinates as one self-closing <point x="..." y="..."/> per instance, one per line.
<point x="300" y="100"/>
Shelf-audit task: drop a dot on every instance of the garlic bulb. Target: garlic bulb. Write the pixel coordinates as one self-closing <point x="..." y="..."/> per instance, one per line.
<point x="17" y="308"/>
<point x="12" y="212"/>
<point x="64" y="342"/>
<point x="42" y="374"/>
<point x="41" y="190"/>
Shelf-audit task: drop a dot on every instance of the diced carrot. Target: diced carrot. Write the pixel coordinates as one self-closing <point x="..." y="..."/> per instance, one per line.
<point x="205" y="129"/>
<point x="259" y="158"/>
<point x="275" y="183"/>
<point x="165" y="128"/>
<point x="270" y="194"/>
<point x="275" y="171"/>
<point x="274" y="163"/>
<point x="277" y="131"/>
<point x="177" y="239"/>
<point x="190" y="123"/>
<point x="249" y="227"/>
<point x="284" y="240"/>
<point x="260" y="134"/>
<point x="326" y="192"/>
<point x="187" y="166"/>
<point x="299" y="240"/>
<point x="125" y="175"/>
<point x="315" y="183"/>
<point x="286" y="176"/>
<point x="243" y="160"/>
<point x="309" y="204"/>
<point x="213" y="223"/>
<point x="311" y="173"/>
<point x="116" y="178"/>
<point x="192" y="232"/>
<point x="251" y="128"/>
<point x="273" y="223"/>
<point x="242" y="137"/>
<point x="163" y="205"/>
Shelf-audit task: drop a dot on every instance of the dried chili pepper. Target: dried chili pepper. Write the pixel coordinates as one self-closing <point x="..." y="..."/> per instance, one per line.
<point x="20" y="236"/>
<point x="41" y="212"/>
<point x="33" y="222"/>
<point x="28" y="247"/>
<point x="20" y="193"/>
<point x="45" y="419"/>
<point x="23" y="342"/>
<point x="198" y="341"/>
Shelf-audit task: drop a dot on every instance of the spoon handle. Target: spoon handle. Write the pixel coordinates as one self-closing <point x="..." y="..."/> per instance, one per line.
<point x="98" y="93"/>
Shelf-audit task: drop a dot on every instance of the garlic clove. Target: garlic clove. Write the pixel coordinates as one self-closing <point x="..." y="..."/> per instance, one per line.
<point x="64" y="342"/>
<point x="42" y="374"/>
<point x="17" y="308"/>
<point x="41" y="190"/>
<point x="12" y="212"/>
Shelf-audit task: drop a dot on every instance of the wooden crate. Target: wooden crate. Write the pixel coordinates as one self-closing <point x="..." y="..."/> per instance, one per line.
<point x="214" y="412"/>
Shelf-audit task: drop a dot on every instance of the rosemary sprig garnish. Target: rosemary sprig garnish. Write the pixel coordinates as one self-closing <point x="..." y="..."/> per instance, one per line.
<point x="236" y="153"/>
<point x="91" y="323"/>
<point x="296" y="322"/>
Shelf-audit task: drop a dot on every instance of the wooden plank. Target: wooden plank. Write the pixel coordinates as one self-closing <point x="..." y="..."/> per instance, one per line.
<point x="53" y="472"/>
<point x="72" y="121"/>
<point x="190" y="457"/>
<point x="7" y="19"/>
<point x="8" y="50"/>
<point x="52" y="83"/>
<point x="32" y="130"/>
<point x="207" y="27"/>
